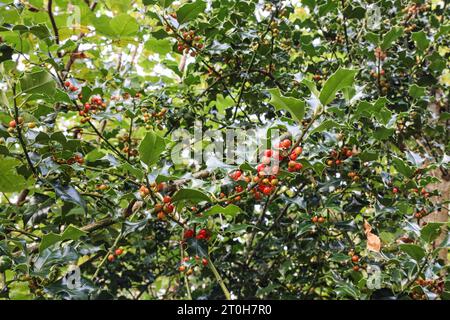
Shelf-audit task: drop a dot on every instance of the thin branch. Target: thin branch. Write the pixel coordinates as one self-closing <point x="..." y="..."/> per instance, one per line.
<point x="53" y="22"/>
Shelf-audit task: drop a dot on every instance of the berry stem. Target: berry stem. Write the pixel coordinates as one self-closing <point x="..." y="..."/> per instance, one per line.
<point x="186" y="280"/>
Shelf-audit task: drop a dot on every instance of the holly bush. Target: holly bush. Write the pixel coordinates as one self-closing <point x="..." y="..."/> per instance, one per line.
<point x="337" y="205"/>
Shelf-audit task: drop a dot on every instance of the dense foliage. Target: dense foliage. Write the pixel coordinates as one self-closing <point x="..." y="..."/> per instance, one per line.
<point x="94" y="205"/>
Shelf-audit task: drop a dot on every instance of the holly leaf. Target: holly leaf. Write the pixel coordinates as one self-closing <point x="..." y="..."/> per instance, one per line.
<point x="124" y="25"/>
<point x="414" y="251"/>
<point x="431" y="231"/>
<point x="326" y="125"/>
<point x="40" y="82"/>
<point x="294" y="106"/>
<point x="190" y="11"/>
<point x="342" y="78"/>
<point x="71" y="233"/>
<point x="151" y="147"/>
<point x="69" y="194"/>
<point x="191" y="195"/>
<point x="391" y="37"/>
<point x="230" y="211"/>
<point x="10" y="180"/>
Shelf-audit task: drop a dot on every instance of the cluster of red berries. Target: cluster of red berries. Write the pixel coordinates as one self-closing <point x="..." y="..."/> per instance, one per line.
<point x="415" y="8"/>
<point x="420" y="214"/>
<point x="13" y="124"/>
<point x="354" y="176"/>
<point x="158" y="115"/>
<point x="237" y="175"/>
<point x="355" y="260"/>
<point x="188" y="264"/>
<point x="268" y="169"/>
<point x="118" y="252"/>
<point x="69" y="86"/>
<point x="166" y="207"/>
<point x="423" y="191"/>
<point x="130" y="144"/>
<point x="203" y="234"/>
<point x="436" y="285"/>
<point x="189" y="41"/>
<point x="279" y="153"/>
<point x="96" y="104"/>
<point x="318" y="219"/>
<point x="75" y="159"/>
<point x="156" y="187"/>
<point x="380" y="54"/>
<point x="265" y="185"/>
<point x="337" y="157"/>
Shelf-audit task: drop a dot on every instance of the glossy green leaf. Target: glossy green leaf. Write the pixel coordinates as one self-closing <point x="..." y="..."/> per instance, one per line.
<point x="391" y="36"/>
<point x="190" y="195"/>
<point x="414" y="251"/>
<point x="190" y="11"/>
<point x="10" y="180"/>
<point x="39" y="81"/>
<point x="151" y="148"/>
<point x="340" y="79"/>
<point x="295" y="107"/>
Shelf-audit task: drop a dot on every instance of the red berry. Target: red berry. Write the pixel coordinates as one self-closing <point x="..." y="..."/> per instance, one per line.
<point x="12" y="124"/>
<point x="355" y="258"/>
<point x="119" y="251"/>
<point x="395" y="190"/>
<point x="167" y="199"/>
<point x="203" y="234"/>
<point x="67" y="83"/>
<point x="293" y="156"/>
<point x="236" y="175"/>
<point x="298" y="151"/>
<point x="204" y="262"/>
<point x="260" y="167"/>
<point x="168" y="208"/>
<point x="298" y="166"/>
<point x="189" y="234"/>
<point x="111" y="258"/>
<point x="267" y="190"/>
<point x="286" y="143"/>
<point x="268" y="153"/>
<point x="291" y="164"/>
<point x="239" y="189"/>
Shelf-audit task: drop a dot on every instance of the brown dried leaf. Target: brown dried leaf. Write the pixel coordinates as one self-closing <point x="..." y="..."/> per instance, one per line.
<point x="373" y="241"/>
